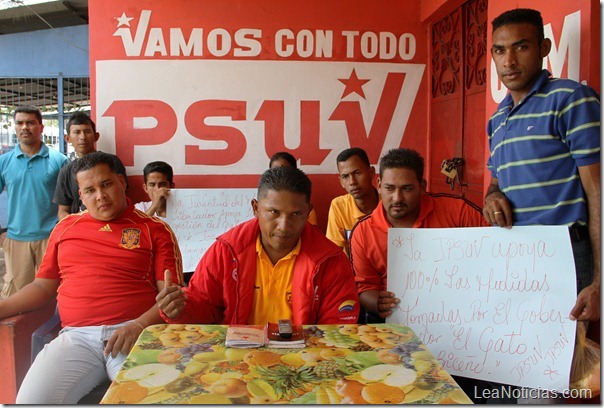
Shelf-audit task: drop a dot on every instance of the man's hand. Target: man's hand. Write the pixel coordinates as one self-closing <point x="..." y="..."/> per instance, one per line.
<point x="160" y="196"/>
<point x="587" y="306"/>
<point x="171" y="299"/>
<point x="386" y="301"/>
<point x="123" y="339"/>
<point x="497" y="209"/>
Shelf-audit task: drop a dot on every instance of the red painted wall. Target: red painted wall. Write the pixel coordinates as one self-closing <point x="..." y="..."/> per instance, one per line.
<point x="215" y="88"/>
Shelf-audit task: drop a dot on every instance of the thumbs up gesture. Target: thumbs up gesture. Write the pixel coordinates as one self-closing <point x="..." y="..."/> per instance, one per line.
<point x="171" y="299"/>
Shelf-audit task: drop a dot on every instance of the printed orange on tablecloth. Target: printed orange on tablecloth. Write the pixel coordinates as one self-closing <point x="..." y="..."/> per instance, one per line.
<point x="360" y="364"/>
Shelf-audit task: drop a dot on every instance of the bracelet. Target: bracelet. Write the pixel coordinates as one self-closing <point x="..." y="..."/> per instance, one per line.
<point x="141" y="326"/>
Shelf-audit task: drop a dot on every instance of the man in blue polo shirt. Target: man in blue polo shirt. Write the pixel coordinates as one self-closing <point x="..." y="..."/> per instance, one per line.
<point x="29" y="173"/>
<point x="544" y="141"/>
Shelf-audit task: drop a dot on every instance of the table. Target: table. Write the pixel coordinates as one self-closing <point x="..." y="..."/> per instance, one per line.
<point x="361" y="364"/>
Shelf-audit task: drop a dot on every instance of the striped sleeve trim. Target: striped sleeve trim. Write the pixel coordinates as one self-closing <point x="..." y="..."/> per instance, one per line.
<point x="586" y="151"/>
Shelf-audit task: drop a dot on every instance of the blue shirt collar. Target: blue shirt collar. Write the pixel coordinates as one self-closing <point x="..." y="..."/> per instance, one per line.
<point x="42" y="153"/>
<point x="543" y="77"/>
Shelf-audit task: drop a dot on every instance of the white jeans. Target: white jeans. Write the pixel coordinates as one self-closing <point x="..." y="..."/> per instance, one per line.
<point x="70" y="366"/>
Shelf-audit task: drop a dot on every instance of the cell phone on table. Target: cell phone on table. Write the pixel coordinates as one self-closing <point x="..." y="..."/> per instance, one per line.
<point x="285" y="328"/>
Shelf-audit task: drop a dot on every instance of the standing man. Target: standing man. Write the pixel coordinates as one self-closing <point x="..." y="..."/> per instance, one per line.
<point x="105" y="266"/>
<point x="404" y="204"/>
<point x="544" y="141"/>
<point x="356" y="177"/>
<point x="275" y="266"/>
<point x="82" y="134"/>
<point x="29" y="173"/>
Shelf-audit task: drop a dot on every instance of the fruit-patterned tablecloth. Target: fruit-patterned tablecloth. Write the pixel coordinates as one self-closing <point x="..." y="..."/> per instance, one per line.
<point x="359" y="364"/>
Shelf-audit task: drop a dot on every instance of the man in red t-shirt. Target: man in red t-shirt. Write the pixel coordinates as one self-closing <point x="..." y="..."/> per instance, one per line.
<point x="404" y="204"/>
<point x="105" y="266"/>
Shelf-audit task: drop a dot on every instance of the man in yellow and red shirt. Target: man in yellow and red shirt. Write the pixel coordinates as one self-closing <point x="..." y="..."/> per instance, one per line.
<point x="404" y="204"/>
<point x="356" y="177"/>
<point x="275" y="266"/>
<point x="105" y="266"/>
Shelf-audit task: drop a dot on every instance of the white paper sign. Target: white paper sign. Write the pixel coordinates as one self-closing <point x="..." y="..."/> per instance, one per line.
<point x="199" y="215"/>
<point x="490" y="303"/>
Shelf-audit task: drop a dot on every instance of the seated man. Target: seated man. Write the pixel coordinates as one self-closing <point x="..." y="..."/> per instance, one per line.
<point x="285" y="159"/>
<point x="404" y="204"/>
<point x="275" y="266"/>
<point x="82" y="134"/>
<point x="158" y="176"/>
<point x="356" y="177"/>
<point x="105" y="266"/>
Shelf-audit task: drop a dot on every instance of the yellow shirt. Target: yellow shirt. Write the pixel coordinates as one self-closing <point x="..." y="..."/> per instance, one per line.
<point x="273" y="286"/>
<point x="343" y="215"/>
<point x="312" y="217"/>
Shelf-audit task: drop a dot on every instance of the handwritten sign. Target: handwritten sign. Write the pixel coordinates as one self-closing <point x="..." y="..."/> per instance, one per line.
<point x="198" y="216"/>
<point x="490" y="303"/>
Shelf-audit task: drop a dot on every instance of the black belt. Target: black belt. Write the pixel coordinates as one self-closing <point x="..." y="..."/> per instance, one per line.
<point x="578" y="232"/>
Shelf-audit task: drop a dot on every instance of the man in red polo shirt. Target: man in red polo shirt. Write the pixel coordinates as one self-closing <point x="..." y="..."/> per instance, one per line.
<point x="105" y="266"/>
<point x="404" y="204"/>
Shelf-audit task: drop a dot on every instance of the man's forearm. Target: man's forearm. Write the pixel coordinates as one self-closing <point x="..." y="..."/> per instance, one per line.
<point x="30" y="297"/>
<point x="150" y="317"/>
<point x="590" y="179"/>
<point x="595" y="237"/>
<point x="369" y="300"/>
<point x="493" y="188"/>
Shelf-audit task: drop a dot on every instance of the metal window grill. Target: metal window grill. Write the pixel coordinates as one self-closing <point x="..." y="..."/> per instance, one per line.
<point x="57" y="98"/>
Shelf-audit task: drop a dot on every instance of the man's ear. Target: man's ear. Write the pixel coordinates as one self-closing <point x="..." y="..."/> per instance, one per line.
<point x="255" y="207"/>
<point x="67" y="138"/>
<point x="122" y="181"/>
<point x="372" y="172"/>
<point x="546" y="46"/>
<point x="341" y="182"/>
<point x="145" y="188"/>
<point x="423" y="185"/>
<point x="96" y="136"/>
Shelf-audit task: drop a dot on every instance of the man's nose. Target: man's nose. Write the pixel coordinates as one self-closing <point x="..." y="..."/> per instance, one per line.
<point x="509" y="59"/>
<point x="100" y="195"/>
<point x="283" y="222"/>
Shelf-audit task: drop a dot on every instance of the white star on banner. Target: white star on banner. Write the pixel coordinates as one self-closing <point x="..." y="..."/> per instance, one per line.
<point x="124" y="20"/>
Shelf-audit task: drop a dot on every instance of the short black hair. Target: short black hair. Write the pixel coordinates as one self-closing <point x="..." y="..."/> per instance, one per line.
<point x="80" y="118"/>
<point x="94" y="159"/>
<point x="158" y="167"/>
<point x="285" y="156"/>
<point x="353" y="151"/>
<point x="403" y="158"/>
<point x="519" y="16"/>
<point x="29" y="109"/>
<point x="285" y="178"/>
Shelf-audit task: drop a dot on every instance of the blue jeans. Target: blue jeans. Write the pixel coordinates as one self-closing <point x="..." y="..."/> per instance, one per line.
<point x="70" y="366"/>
